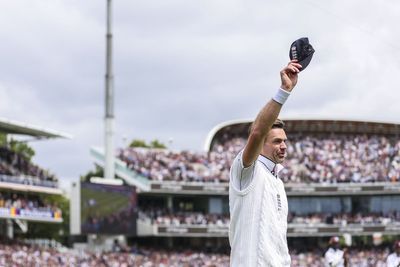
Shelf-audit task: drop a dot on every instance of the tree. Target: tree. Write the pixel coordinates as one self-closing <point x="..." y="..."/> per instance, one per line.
<point x="3" y="139"/>
<point x="23" y="149"/>
<point x="141" y="143"/>
<point x="157" y="144"/>
<point x="97" y="172"/>
<point x="138" y="143"/>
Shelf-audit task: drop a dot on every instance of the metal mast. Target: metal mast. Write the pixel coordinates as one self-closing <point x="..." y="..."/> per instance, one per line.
<point x="109" y="102"/>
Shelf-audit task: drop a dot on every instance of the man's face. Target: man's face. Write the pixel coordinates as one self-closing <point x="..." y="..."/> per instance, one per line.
<point x="275" y="145"/>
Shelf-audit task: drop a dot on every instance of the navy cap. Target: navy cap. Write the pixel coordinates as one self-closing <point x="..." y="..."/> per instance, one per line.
<point x="301" y="50"/>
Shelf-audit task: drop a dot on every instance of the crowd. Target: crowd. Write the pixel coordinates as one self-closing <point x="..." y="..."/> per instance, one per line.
<point x="358" y="258"/>
<point x="26" y="203"/>
<point x="162" y="216"/>
<point x="345" y="218"/>
<point x="25" y="255"/>
<point x="166" y="165"/>
<point x="16" y="168"/>
<point x="31" y="255"/>
<point x="342" y="158"/>
<point x="310" y="159"/>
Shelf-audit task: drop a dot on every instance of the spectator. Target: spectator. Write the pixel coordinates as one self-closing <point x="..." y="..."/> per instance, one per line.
<point x="393" y="260"/>
<point x="334" y="256"/>
<point x="311" y="159"/>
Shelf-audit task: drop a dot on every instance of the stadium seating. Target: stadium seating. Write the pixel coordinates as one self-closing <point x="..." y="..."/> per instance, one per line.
<point x="20" y="254"/>
<point x="159" y="216"/>
<point x="311" y="159"/>
<point x="32" y="206"/>
<point x="164" y="217"/>
<point x="14" y="168"/>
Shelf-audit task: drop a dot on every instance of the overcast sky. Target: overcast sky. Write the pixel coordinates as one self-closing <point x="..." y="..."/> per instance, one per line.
<point x="181" y="67"/>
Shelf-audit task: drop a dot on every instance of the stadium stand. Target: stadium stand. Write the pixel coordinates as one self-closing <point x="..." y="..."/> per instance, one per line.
<point x="18" y="253"/>
<point x="164" y="217"/>
<point x="23" y="184"/>
<point x="342" y="178"/>
<point x="313" y="157"/>
<point x="26" y="202"/>
<point x="16" y="169"/>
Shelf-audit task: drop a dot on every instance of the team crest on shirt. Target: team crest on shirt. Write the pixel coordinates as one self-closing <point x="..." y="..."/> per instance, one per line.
<point x="278" y="200"/>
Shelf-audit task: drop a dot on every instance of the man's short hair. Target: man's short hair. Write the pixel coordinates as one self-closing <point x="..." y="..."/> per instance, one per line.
<point x="278" y="124"/>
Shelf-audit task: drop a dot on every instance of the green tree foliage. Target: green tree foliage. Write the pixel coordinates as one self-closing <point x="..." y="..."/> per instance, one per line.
<point x="23" y="149"/>
<point x="3" y="139"/>
<point x="157" y="144"/>
<point x="141" y="143"/>
<point x="138" y="143"/>
<point x="97" y="172"/>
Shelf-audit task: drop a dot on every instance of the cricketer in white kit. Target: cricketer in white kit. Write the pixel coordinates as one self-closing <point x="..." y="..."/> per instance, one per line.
<point x="257" y="199"/>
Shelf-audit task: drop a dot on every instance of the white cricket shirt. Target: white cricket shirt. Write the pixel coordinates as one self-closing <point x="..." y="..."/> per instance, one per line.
<point x="393" y="260"/>
<point x="258" y="210"/>
<point x="334" y="258"/>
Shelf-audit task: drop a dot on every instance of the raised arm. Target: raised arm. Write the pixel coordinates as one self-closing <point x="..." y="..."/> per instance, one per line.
<point x="269" y="113"/>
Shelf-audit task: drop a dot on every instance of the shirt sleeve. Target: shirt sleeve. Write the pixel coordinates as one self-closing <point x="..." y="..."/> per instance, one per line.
<point x="241" y="176"/>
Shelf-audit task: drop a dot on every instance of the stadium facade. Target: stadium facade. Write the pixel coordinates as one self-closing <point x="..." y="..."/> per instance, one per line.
<point x="24" y="186"/>
<point x="196" y="212"/>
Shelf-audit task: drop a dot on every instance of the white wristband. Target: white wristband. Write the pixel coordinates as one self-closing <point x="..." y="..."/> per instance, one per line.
<point x="281" y="96"/>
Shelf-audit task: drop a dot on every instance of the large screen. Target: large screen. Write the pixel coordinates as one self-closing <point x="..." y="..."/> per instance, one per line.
<point x="108" y="209"/>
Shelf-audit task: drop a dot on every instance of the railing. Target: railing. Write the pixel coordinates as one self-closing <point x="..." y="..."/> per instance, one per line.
<point x="294" y="230"/>
<point x="292" y="189"/>
<point x="27" y="180"/>
<point x="130" y="176"/>
<point x="222" y="188"/>
<point x="44" y="215"/>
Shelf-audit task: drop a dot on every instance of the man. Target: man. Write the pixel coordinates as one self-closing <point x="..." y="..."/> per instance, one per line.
<point x="257" y="199"/>
<point x="334" y="256"/>
<point x="393" y="260"/>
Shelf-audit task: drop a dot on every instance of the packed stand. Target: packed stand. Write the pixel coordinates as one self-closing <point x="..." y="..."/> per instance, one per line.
<point x="334" y="158"/>
<point x="371" y="257"/>
<point x="20" y="254"/>
<point x="22" y="204"/>
<point x="345" y="218"/>
<point x="166" y="165"/>
<point x="342" y="158"/>
<point x="310" y="159"/>
<point x="27" y="255"/>
<point x="15" y="168"/>
<point x="163" y="217"/>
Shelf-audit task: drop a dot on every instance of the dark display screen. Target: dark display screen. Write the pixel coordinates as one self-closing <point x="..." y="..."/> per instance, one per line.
<point x="108" y="209"/>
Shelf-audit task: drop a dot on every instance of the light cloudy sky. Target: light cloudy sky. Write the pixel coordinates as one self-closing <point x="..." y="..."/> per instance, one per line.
<point x="181" y="67"/>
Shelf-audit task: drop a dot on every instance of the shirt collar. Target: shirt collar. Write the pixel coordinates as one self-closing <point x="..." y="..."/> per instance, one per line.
<point x="271" y="166"/>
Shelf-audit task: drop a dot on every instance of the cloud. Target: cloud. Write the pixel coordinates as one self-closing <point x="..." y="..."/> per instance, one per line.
<point x="182" y="67"/>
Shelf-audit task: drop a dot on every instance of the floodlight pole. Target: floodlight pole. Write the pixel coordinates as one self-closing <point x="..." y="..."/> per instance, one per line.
<point x="109" y="171"/>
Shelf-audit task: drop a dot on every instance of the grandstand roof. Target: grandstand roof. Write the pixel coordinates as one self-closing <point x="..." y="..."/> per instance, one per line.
<point x="14" y="127"/>
<point x="240" y="128"/>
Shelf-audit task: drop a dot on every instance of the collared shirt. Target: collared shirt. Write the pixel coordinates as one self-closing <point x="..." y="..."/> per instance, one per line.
<point x="393" y="260"/>
<point x="274" y="168"/>
<point x="247" y="174"/>
<point x="334" y="258"/>
<point x="258" y="209"/>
